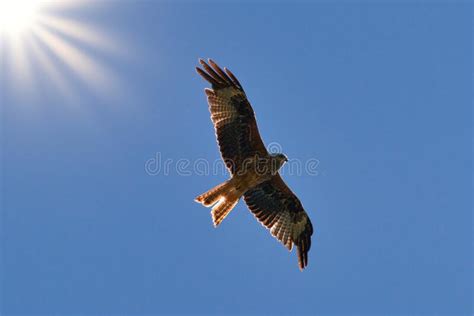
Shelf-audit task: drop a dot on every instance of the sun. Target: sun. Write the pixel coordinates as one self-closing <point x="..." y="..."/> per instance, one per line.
<point x="17" y="16"/>
<point x="42" y="45"/>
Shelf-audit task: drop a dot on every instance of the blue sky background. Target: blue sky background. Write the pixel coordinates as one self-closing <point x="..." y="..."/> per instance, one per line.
<point x="380" y="94"/>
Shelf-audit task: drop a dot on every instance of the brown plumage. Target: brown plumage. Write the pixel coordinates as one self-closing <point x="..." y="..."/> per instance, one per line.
<point x="254" y="171"/>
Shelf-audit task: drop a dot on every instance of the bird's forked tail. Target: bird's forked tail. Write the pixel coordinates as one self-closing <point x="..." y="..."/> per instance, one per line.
<point x="224" y="196"/>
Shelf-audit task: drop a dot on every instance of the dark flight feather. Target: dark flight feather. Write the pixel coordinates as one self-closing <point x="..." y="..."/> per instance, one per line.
<point x="278" y="209"/>
<point x="233" y="117"/>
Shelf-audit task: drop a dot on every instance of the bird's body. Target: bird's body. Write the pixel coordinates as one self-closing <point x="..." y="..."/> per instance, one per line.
<point x="254" y="171"/>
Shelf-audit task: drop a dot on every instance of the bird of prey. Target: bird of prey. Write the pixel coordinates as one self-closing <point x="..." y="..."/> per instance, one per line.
<point x="254" y="171"/>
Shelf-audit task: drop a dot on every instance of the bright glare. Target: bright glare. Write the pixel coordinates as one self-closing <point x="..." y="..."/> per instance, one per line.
<point x="16" y="16"/>
<point x="40" y="47"/>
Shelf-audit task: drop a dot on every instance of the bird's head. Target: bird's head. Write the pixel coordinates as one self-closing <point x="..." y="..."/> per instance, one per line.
<point x="279" y="160"/>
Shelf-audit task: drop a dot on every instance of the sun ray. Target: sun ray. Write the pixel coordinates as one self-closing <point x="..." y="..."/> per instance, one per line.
<point x="51" y="71"/>
<point x="94" y="74"/>
<point x="19" y="67"/>
<point x="89" y="35"/>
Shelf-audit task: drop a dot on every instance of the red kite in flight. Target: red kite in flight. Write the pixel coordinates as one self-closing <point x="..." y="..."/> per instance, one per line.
<point x="254" y="171"/>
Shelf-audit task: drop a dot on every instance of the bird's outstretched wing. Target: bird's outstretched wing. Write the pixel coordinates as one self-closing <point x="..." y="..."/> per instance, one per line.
<point x="278" y="209"/>
<point x="232" y="115"/>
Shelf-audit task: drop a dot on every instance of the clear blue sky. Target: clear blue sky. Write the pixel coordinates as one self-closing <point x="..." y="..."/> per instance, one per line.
<point x="381" y="95"/>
